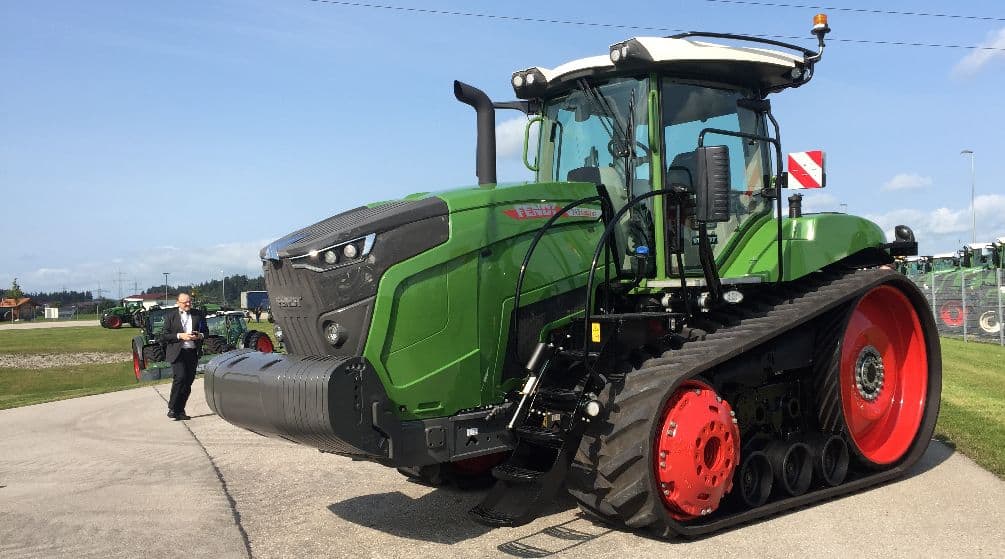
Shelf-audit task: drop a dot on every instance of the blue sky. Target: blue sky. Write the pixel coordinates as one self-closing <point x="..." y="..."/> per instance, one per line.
<point x="146" y="137"/>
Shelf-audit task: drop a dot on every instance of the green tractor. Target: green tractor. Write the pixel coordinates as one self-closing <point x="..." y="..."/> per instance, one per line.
<point x="228" y="330"/>
<point x="640" y="324"/>
<point x="129" y="312"/>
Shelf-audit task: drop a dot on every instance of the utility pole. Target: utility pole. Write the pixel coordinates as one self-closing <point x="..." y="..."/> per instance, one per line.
<point x="223" y="289"/>
<point x="166" y="274"/>
<point x="118" y="283"/>
<point x="97" y="307"/>
<point x="973" y="187"/>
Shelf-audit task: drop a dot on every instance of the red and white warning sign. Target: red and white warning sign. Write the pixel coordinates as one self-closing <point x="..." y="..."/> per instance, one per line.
<point x="806" y="169"/>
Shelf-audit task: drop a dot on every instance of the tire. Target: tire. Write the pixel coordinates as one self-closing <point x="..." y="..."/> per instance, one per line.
<point x="214" y="345"/>
<point x="104" y="321"/>
<point x="137" y="319"/>
<point x="879" y="386"/>
<point x="989" y="323"/>
<point x="952" y="314"/>
<point x="114" y="322"/>
<point x="258" y="341"/>
<point x="138" y="364"/>
<point x="153" y="353"/>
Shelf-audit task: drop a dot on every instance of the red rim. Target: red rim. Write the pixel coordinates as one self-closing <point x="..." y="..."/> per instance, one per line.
<point x="114" y="322"/>
<point x="884" y="375"/>
<point x="952" y="313"/>
<point x="137" y="368"/>
<point x="264" y="344"/>
<point x="696" y="451"/>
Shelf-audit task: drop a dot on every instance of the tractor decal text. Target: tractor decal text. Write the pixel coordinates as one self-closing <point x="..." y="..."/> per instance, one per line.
<point x="544" y="211"/>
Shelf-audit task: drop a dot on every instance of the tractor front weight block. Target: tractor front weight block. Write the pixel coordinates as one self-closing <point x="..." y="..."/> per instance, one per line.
<point x="339" y="405"/>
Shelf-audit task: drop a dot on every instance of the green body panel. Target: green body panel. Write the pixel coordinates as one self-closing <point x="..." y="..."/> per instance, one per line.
<point x="441" y="319"/>
<point x="809" y="243"/>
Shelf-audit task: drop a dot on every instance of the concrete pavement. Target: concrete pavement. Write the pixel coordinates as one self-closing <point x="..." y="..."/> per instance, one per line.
<point x="110" y="476"/>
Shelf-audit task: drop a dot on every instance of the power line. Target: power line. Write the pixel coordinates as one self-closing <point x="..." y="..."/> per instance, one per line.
<point x="858" y="10"/>
<point x="636" y="27"/>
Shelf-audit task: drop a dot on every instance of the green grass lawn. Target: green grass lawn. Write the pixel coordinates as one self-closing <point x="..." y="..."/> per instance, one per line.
<point x="22" y="387"/>
<point x="67" y="340"/>
<point x="973" y="402"/>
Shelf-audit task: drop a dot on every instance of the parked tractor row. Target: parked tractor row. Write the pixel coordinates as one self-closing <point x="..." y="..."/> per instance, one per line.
<point x="228" y="330"/>
<point x="962" y="286"/>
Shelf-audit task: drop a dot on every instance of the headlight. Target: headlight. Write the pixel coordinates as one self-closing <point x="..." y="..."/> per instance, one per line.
<point x="279" y="333"/>
<point x="327" y="258"/>
<point x="335" y="334"/>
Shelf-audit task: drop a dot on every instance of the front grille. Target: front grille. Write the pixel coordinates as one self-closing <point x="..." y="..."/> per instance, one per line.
<point x="304" y="299"/>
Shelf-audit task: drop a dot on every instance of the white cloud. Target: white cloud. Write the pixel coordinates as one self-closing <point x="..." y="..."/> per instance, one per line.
<point x="509" y="137"/>
<point x="943" y="229"/>
<point x="981" y="56"/>
<point x="907" y="181"/>
<point x="816" y="202"/>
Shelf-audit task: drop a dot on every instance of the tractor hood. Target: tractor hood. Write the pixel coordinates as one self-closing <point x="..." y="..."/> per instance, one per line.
<point x="323" y="279"/>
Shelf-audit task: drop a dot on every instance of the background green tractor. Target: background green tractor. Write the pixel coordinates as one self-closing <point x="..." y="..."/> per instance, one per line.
<point x="228" y="330"/>
<point x="129" y="312"/>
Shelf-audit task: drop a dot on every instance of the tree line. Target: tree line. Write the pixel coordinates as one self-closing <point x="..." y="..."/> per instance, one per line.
<point x="211" y="291"/>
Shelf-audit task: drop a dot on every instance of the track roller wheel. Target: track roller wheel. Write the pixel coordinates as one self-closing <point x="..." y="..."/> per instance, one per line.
<point x="830" y="460"/>
<point x="792" y="466"/>
<point x="755" y="479"/>
<point x="883" y="375"/>
<point x="696" y="450"/>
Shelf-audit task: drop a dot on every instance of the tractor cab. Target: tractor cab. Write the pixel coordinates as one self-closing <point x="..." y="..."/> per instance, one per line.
<point x="678" y="135"/>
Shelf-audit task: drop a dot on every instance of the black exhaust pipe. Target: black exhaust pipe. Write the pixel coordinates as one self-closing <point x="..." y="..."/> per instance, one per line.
<point x="485" y="152"/>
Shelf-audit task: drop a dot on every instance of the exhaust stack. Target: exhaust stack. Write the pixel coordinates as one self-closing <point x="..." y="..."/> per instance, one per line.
<point x="485" y="152"/>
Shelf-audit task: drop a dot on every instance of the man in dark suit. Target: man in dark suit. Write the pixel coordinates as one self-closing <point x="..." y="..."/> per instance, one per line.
<point x="183" y="333"/>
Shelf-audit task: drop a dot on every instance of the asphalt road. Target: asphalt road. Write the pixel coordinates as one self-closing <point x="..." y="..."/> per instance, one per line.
<point x="111" y="476"/>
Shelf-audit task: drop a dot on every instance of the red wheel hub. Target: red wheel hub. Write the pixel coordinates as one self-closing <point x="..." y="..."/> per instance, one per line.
<point x="114" y="322"/>
<point x="884" y="375"/>
<point x="952" y="313"/>
<point x="696" y="451"/>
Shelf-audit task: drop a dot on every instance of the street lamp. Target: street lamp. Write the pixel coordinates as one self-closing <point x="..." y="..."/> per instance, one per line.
<point x="973" y="187"/>
<point x="166" y="274"/>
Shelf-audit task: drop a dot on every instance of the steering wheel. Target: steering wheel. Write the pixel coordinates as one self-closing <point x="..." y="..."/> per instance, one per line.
<point x="616" y="149"/>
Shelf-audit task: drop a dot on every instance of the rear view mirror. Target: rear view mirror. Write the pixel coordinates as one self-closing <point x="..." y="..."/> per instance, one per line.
<point x="713" y="182"/>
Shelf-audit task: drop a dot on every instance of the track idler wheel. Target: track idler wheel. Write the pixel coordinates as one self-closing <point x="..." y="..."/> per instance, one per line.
<point x="830" y="459"/>
<point x="792" y="464"/>
<point x="755" y="479"/>
<point x="883" y="376"/>
<point x="696" y="451"/>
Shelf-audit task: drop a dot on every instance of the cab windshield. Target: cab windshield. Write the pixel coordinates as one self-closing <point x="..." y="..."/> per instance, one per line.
<point x="604" y="126"/>
<point x="689" y="109"/>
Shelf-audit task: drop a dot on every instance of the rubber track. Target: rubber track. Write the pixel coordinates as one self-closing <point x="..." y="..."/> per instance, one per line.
<point x="611" y="475"/>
